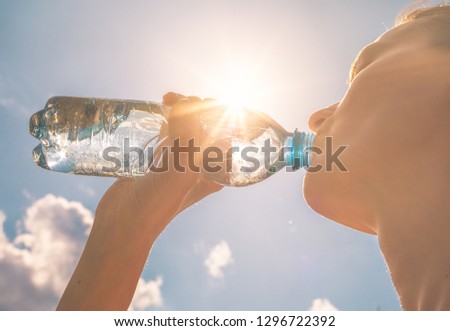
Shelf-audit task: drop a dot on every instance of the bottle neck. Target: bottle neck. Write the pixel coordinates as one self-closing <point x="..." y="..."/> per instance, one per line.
<point x="297" y="153"/>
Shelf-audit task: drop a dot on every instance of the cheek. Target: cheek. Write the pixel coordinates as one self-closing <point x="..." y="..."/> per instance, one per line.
<point x="339" y="169"/>
<point x="332" y="144"/>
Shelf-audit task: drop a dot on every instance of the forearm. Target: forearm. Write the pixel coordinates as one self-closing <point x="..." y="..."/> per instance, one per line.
<point x="110" y="266"/>
<point x="132" y="214"/>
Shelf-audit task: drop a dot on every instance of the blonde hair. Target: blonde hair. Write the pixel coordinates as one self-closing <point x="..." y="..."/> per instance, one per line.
<point x="438" y="28"/>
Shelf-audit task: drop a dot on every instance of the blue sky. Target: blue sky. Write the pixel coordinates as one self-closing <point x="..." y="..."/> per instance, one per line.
<point x="266" y="250"/>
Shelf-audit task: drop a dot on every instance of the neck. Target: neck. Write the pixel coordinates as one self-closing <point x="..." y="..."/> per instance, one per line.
<point x="414" y="235"/>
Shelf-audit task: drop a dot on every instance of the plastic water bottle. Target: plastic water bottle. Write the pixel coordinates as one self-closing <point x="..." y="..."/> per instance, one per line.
<point x="254" y="146"/>
<point x="116" y="138"/>
<point x="74" y="133"/>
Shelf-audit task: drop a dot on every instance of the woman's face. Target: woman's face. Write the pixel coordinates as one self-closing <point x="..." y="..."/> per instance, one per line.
<point x="385" y="119"/>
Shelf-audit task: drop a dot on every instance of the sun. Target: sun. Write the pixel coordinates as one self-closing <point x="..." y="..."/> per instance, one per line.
<point x="240" y="87"/>
<point x="235" y="93"/>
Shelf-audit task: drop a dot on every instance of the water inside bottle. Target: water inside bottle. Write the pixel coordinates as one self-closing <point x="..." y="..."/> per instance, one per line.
<point x="245" y="135"/>
<point x="74" y="133"/>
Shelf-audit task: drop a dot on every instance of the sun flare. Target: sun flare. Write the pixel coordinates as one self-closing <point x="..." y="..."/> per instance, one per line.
<point x="238" y="86"/>
<point x="236" y="94"/>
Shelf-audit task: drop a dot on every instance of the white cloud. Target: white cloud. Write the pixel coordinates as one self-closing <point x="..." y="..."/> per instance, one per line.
<point x="56" y="231"/>
<point x="322" y="304"/>
<point x="41" y="259"/>
<point x="148" y="294"/>
<point x="218" y="258"/>
<point x="36" y="265"/>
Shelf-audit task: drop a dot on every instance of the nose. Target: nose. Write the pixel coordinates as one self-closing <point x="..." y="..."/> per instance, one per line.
<point x="319" y="116"/>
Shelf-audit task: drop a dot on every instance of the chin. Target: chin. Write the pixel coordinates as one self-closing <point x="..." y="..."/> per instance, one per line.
<point x="315" y="192"/>
<point x="328" y="196"/>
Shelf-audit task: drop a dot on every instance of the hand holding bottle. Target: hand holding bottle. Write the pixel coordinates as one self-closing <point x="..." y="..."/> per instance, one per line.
<point x="183" y="188"/>
<point x="129" y="218"/>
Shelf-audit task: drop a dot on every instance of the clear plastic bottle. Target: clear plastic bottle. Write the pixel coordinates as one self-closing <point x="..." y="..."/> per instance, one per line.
<point x="74" y="133"/>
<point x="254" y="146"/>
<point x="80" y="135"/>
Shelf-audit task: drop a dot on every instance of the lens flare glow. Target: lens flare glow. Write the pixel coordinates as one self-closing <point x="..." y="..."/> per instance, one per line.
<point x="237" y="93"/>
<point x="239" y="84"/>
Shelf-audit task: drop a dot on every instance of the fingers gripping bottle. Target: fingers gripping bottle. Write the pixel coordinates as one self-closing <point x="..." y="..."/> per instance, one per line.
<point x="121" y="138"/>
